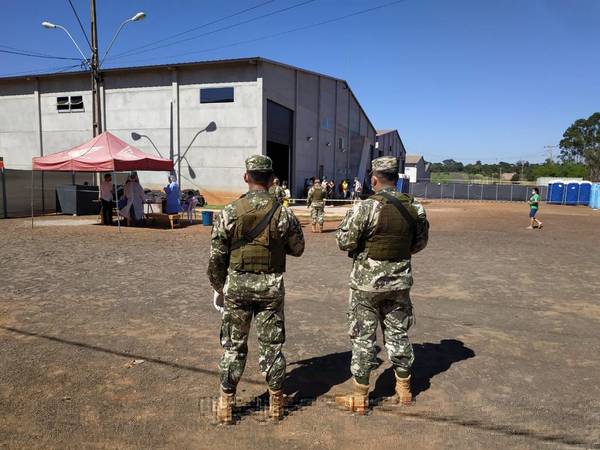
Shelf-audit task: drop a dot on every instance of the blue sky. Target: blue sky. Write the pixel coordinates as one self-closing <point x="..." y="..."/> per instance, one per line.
<point x="463" y="79"/>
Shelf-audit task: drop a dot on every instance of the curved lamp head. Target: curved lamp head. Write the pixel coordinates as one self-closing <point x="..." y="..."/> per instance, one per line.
<point x="135" y="136"/>
<point x="139" y="16"/>
<point x="48" y="25"/>
<point x="211" y="127"/>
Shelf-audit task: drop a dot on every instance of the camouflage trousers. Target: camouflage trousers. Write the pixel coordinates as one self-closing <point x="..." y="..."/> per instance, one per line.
<point x="317" y="214"/>
<point x="393" y="310"/>
<point x="270" y="328"/>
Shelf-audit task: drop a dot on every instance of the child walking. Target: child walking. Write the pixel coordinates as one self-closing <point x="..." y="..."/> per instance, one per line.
<point x="534" y="204"/>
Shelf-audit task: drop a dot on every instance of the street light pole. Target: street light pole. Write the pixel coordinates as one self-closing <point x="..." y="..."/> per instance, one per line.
<point x="209" y="128"/>
<point x="96" y="108"/>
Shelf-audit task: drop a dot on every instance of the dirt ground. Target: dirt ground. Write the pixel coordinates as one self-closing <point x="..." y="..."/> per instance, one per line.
<point x="109" y="340"/>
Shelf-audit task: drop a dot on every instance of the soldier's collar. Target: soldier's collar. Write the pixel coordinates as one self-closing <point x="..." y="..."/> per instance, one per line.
<point x="257" y="191"/>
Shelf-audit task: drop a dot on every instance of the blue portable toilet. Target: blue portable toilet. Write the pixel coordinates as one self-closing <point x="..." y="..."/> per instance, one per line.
<point x="585" y="193"/>
<point x="556" y="192"/>
<point x="402" y="184"/>
<point x="572" y="195"/>
<point x="595" y="197"/>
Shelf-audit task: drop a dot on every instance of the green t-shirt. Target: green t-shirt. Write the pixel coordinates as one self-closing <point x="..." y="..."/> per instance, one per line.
<point x="534" y="201"/>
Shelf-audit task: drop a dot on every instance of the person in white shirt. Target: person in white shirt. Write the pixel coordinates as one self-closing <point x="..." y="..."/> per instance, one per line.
<point x="357" y="189"/>
<point x="134" y="209"/>
<point x="106" y="199"/>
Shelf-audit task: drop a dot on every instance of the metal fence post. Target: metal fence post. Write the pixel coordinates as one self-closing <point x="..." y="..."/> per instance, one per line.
<point x="4" y="205"/>
<point x="453" y="191"/>
<point x="425" y="195"/>
<point x="481" y="199"/>
<point x="497" y="191"/>
<point x="511" y="191"/>
<point x="441" y="191"/>
<point x="468" y="192"/>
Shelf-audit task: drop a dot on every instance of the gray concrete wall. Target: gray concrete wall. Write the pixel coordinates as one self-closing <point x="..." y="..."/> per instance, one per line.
<point x="390" y="144"/>
<point x="19" y="138"/>
<point x="217" y="158"/>
<point x="325" y="110"/>
<point x="140" y="101"/>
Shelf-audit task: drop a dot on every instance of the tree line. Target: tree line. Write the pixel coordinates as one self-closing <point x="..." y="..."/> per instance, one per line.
<point x="579" y="158"/>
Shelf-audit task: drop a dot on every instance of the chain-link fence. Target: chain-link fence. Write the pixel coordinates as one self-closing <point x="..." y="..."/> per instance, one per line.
<point x="15" y="187"/>
<point x="472" y="191"/>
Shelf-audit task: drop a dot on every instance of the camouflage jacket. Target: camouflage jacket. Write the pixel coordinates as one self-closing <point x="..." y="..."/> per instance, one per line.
<point x="278" y="192"/>
<point x="242" y="284"/>
<point x="369" y="274"/>
<point x="315" y="204"/>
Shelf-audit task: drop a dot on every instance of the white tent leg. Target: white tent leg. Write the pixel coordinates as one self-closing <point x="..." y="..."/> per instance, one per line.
<point x="31" y="198"/>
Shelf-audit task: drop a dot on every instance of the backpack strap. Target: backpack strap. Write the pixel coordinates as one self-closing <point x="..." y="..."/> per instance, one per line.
<point x="412" y="223"/>
<point x="258" y="228"/>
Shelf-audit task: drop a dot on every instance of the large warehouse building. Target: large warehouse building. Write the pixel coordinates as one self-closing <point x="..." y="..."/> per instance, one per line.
<point x="309" y="124"/>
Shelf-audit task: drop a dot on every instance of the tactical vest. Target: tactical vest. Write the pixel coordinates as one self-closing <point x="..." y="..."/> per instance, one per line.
<point x="264" y="254"/>
<point x="393" y="236"/>
<point x="318" y="195"/>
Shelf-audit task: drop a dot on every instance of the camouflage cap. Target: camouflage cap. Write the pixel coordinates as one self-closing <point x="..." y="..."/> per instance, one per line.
<point x="385" y="164"/>
<point x="259" y="162"/>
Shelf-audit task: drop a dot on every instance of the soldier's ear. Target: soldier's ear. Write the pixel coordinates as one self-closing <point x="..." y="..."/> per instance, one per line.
<point x="246" y="177"/>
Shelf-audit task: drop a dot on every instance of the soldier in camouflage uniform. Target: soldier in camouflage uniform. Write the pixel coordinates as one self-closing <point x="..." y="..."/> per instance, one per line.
<point x="245" y="269"/>
<point x="315" y="200"/>
<point x="381" y="238"/>
<point x="277" y="191"/>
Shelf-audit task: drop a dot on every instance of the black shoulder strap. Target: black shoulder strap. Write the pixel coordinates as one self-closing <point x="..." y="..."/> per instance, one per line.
<point x="412" y="223"/>
<point x="258" y="228"/>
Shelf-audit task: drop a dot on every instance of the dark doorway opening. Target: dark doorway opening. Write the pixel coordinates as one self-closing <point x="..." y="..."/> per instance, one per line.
<point x="280" y="122"/>
<point x="280" y="154"/>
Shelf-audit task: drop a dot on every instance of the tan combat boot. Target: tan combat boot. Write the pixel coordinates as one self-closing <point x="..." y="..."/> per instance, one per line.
<point x="403" y="390"/>
<point x="358" y="401"/>
<point x="276" y="405"/>
<point x="320" y="228"/>
<point x="225" y="408"/>
<point x="313" y="228"/>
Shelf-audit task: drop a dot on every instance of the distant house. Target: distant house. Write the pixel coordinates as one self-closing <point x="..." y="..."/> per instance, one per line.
<point x="389" y="143"/>
<point x="416" y="169"/>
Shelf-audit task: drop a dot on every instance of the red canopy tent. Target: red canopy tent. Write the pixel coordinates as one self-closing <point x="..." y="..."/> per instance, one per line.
<point x="104" y="153"/>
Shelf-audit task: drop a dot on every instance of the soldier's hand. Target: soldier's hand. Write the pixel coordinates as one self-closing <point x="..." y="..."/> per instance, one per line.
<point x="219" y="301"/>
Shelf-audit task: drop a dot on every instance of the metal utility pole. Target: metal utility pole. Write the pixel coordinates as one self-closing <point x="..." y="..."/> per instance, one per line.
<point x="95" y="71"/>
<point x="549" y="149"/>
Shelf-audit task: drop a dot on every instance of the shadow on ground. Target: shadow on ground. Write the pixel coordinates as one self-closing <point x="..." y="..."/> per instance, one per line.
<point x="314" y="377"/>
<point x="430" y="360"/>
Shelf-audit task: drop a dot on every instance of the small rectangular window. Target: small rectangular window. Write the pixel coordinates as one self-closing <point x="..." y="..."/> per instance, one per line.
<point x="341" y="143"/>
<point x="68" y="104"/>
<point x="62" y="104"/>
<point x="216" y="95"/>
<point x="76" y="103"/>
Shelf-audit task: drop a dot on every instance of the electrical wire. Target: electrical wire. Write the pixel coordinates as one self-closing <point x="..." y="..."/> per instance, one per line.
<point x="204" y="25"/>
<point x="270" y="36"/>
<point x="37" y="55"/>
<point x="228" y="27"/>
<point x="80" y="24"/>
<point x="48" y="70"/>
